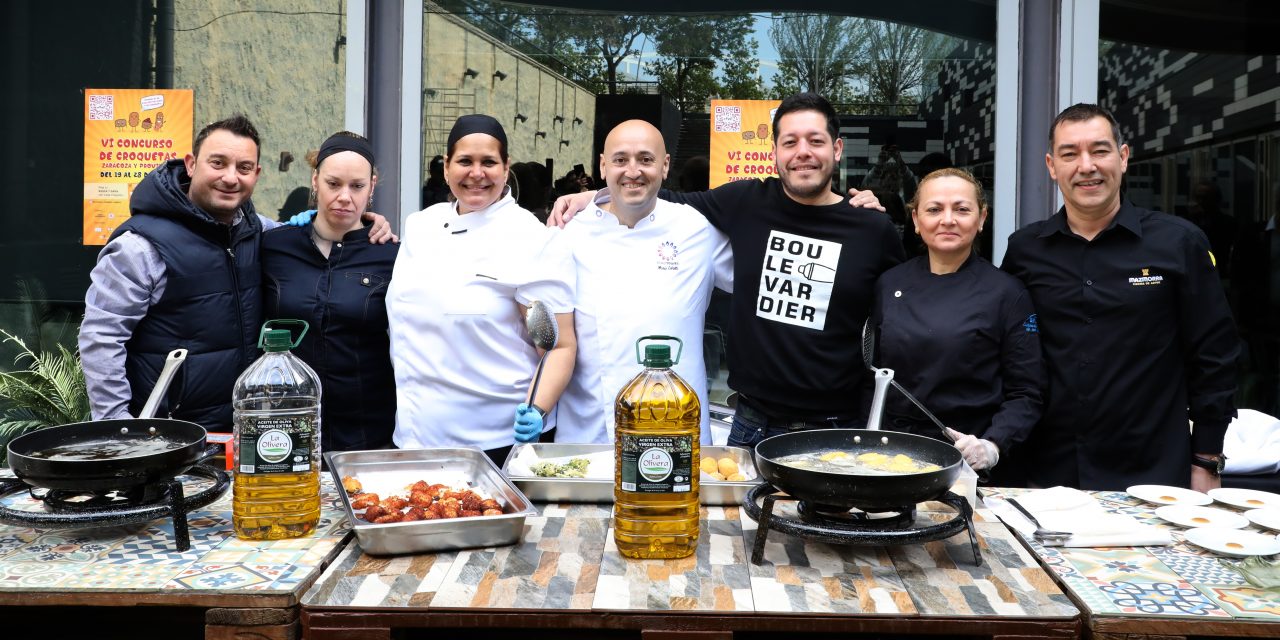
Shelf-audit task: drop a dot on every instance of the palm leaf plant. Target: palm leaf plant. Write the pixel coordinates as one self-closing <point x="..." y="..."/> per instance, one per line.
<point x="47" y="386"/>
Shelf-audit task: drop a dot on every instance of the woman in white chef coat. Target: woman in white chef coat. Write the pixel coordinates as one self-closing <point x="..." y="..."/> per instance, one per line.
<point x="465" y="274"/>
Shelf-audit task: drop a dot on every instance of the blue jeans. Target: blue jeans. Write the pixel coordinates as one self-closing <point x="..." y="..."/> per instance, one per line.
<point x="751" y="425"/>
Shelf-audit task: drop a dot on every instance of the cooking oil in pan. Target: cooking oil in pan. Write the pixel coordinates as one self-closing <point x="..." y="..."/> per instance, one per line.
<point x="657" y="420"/>
<point x="276" y="493"/>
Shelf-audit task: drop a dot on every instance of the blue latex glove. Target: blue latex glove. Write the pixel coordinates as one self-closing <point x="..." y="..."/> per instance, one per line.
<point x="302" y="219"/>
<point x="528" y="426"/>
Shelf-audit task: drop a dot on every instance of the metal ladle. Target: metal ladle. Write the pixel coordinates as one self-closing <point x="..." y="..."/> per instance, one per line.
<point x="544" y="333"/>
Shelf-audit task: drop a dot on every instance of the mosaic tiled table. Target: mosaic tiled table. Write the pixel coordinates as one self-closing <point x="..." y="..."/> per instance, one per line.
<point x="236" y="585"/>
<point x="566" y="574"/>
<point x="1175" y="591"/>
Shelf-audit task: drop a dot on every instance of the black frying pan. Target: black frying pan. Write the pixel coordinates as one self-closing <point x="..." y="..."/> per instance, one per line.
<point x="861" y="491"/>
<point x="108" y="454"/>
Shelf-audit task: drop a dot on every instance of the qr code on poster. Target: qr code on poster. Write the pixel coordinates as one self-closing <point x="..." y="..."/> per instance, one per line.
<point x="102" y="107"/>
<point x="728" y="119"/>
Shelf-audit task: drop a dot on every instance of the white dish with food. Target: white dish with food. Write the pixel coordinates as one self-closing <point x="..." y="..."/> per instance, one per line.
<point x="1193" y="516"/>
<point x="1266" y="517"/>
<point x="1234" y="542"/>
<point x="1164" y="494"/>
<point x="1246" y="498"/>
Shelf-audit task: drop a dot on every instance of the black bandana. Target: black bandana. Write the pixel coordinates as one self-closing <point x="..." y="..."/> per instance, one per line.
<point x="338" y="143"/>
<point x="476" y="123"/>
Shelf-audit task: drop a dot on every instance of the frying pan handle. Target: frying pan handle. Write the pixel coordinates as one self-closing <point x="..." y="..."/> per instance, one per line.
<point x="883" y="378"/>
<point x="171" y="365"/>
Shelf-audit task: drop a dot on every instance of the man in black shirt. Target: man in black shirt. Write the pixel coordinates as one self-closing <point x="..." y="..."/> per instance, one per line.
<point x="1135" y="327"/>
<point x="804" y="265"/>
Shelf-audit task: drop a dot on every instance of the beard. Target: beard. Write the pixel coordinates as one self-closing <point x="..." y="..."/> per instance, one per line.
<point x="794" y="187"/>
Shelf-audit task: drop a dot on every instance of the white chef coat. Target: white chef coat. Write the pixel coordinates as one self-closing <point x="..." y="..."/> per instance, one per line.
<point x="653" y="279"/>
<point x="462" y="355"/>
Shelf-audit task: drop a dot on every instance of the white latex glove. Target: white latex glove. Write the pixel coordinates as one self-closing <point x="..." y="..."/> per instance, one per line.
<point x="979" y="453"/>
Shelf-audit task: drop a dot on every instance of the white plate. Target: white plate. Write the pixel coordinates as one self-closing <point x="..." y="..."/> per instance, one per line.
<point x="1189" y="516"/>
<point x="1234" y="542"/>
<point x="1245" y="498"/>
<point x="1267" y="517"/>
<point x="1161" y="494"/>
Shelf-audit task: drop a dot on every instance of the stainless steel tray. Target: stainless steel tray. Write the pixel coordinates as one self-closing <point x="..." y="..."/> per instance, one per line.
<point x="538" y="489"/>
<point x="461" y="467"/>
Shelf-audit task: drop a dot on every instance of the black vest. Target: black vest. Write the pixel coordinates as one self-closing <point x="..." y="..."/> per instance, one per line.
<point x="211" y="306"/>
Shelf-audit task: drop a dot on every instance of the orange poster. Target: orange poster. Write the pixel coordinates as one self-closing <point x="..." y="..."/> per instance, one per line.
<point x="127" y="133"/>
<point x="741" y="140"/>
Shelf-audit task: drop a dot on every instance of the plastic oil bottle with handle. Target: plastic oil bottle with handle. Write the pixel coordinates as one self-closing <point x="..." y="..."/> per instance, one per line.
<point x="276" y="402"/>
<point x="656" y="456"/>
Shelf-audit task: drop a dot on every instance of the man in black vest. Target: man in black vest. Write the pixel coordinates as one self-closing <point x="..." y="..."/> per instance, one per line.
<point x="183" y="271"/>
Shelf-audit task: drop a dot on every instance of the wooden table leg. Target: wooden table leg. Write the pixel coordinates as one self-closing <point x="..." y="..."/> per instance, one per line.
<point x="252" y="624"/>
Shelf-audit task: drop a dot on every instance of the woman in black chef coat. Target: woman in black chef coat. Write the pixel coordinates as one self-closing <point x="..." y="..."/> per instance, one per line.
<point x="329" y="274"/>
<point x="959" y="333"/>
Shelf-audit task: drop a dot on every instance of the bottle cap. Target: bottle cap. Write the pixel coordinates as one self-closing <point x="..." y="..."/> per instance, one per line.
<point x="657" y="356"/>
<point x="276" y="340"/>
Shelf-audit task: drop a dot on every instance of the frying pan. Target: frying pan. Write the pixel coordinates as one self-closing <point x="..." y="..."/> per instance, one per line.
<point x="844" y="491"/>
<point x="107" y="455"/>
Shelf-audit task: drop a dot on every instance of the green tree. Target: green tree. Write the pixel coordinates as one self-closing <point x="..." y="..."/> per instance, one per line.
<point x="689" y="47"/>
<point x="741" y="73"/>
<point x="609" y="39"/>
<point x="818" y="53"/>
<point x="898" y="62"/>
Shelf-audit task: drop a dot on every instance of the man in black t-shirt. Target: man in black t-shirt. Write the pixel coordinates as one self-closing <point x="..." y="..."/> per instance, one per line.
<point x="805" y="263"/>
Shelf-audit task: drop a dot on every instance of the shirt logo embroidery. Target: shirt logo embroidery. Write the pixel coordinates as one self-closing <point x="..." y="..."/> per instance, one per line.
<point x="1146" y="279"/>
<point x="1031" y="324"/>
<point x="668" y="256"/>
<point x="796" y="280"/>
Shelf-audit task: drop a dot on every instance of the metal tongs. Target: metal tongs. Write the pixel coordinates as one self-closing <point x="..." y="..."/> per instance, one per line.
<point x="1046" y="537"/>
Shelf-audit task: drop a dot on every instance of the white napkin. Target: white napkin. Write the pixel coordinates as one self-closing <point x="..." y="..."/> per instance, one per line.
<point x="1078" y="513"/>
<point x="599" y="464"/>
<point x="1252" y="443"/>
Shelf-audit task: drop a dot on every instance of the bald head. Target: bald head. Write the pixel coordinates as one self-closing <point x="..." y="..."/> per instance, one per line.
<point x="634" y="164"/>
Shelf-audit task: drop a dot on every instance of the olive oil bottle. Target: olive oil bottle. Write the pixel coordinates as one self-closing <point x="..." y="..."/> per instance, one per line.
<point x="656" y="455"/>
<point x="276" y="402"/>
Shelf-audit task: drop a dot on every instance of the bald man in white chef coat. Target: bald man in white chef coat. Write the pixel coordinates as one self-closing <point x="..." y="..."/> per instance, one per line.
<point x="644" y="267"/>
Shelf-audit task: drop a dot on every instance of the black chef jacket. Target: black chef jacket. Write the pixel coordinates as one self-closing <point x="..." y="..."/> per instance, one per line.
<point x="343" y="299"/>
<point x="965" y="344"/>
<point x="1138" y="337"/>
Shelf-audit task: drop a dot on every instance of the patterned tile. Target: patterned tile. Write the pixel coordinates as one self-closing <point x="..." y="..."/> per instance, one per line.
<point x="219" y="577"/>
<point x="553" y="566"/>
<point x="16" y="576"/>
<point x="1197" y="569"/>
<point x="714" y="578"/>
<point x="1246" y="601"/>
<point x="157" y="550"/>
<point x="119" y="577"/>
<point x="66" y="546"/>
<point x="1159" y="598"/>
<point x="1127" y="564"/>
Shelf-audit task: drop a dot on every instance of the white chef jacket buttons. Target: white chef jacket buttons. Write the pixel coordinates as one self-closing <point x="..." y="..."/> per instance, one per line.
<point x="364" y="280"/>
<point x="897" y="294"/>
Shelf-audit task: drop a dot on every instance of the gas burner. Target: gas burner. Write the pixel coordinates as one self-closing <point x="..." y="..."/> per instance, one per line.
<point x="73" y="509"/>
<point x="62" y="501"/>
<point x="833" y="525"/>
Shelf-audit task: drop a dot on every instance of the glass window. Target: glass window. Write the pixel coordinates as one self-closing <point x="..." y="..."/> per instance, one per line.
<point x="1199" y="113"/>
<point x="911" y="97"/>
<point x="281" y="62"/>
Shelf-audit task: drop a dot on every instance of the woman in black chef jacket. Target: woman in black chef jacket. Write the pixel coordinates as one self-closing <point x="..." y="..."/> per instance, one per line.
<point x="959" y="333"/>
<point x="329" y="274"/>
